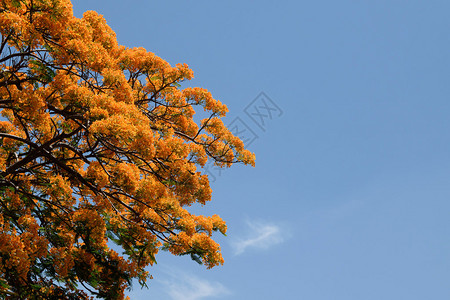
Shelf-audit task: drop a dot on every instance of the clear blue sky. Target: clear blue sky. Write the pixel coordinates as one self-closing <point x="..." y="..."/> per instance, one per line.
<point x="350" y="197"/>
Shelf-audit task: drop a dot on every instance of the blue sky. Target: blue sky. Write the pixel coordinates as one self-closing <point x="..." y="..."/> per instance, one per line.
<point x="349" y="198"/>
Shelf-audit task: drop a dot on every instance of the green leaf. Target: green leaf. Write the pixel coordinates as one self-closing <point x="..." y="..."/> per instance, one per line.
<point x="16" y="3"/>
<point x="4" y="285"/>
<point x="36" y="286"/>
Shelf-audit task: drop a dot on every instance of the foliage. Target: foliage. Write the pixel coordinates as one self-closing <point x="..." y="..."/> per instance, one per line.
<point x="98" y="144"/>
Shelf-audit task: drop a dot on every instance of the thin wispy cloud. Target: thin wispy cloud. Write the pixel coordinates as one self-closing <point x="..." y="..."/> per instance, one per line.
<point x="261" y="236"/>
<point x="182" y="286"/>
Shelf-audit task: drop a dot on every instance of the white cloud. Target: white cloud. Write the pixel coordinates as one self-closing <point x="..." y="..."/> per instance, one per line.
<point x="181" y="286"/>
<point x="262" y="236"/>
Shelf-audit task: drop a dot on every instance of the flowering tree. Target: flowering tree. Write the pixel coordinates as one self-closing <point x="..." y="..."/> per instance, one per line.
<point x="97" y="144"/>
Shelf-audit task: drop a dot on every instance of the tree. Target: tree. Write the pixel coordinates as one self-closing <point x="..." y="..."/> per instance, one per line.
<point x="98" y="144"/>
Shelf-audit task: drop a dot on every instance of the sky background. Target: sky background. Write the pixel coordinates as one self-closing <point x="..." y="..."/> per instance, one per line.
<point x="349" y="198"/>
